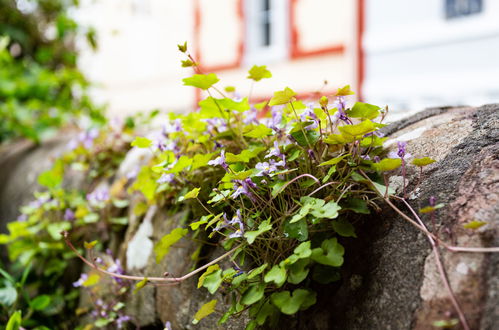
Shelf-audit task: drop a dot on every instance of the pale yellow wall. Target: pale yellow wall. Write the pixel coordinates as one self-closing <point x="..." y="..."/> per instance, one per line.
<point x="138" y="64"/>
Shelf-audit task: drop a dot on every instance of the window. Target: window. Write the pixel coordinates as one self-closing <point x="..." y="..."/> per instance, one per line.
<point x="459" y="8"/>
<point x="266" y="31"/>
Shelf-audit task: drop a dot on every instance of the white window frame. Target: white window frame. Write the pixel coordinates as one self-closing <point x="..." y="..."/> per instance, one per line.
<point x="255" y="51"/>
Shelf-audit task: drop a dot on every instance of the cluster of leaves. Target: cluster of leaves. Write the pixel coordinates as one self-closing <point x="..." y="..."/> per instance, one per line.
<point x="280" y="183"/>
<point x="280" y="180"/>
<point x="40" y="87"/>
<point x="38" y="288"/>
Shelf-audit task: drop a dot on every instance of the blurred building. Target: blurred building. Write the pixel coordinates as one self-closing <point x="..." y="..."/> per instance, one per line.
<point x="431" y="53"/>
<point x="304" y="43"/>
<point x="405" y="54"/>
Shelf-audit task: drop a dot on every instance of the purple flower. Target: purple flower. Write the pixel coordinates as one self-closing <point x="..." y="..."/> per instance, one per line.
<point x="237" y="220"/>
<point x="166" y="178"/>
<point x="250" y="116"/>
<point x="220" y="160"/>
<point x="172" y="127"/>
<point x="340" y="104"/>
<point x="69" y="215"/>
<point x="121" y="320"/>
<point x="168" y="325"/>
<point x="243" y="187"/>
<point x="266" y="168"/>
<point x="365" y="157"/>
<point x="22" y="217"/>
<point x="217" y="124"/>
<point x="401" y="152"/>
<point x="432" y="201"/>
<point x="309" y="113"/>
<point x="117" y="269"/>
<point x="276" y="112"/>
<point x="98" y="196"/>
<point x="275" y="152"/>
<point x="81" y="280"/>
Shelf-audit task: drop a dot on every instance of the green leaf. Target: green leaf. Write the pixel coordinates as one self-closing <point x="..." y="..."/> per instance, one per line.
<point x="182" y="48"/>
<point x="163" y="246"/>
<point x="89" y="245"/>
<point x="358" y="130"/>
<point x="298" y="271"/>
<point x="53" y="177"/>
<point x="14" y="322"/>
<point x="213" y="281"/>
<point x="258" y="73"/>
<point x="344" y="91"/>
<point x="387" y="164"/>
<point x="277" y="188"/>
<point x="203" y="81"/>
<point x="446" y="323"/>
<point x="277" y="275"/>
<point x="54" y="229"/>
<point x="208" y="271"/>
<point x="381" y="189"/>
<point x="282" y="97"/>
<point x="8" y="295"/>
<point x="311" y="137"/>
<point x="303" y="250"/>
<point x="265" y="311"/>
<point x="338" y="139"/>
<point x="429" y="209"/>
<point x="92" y="280"/>
<point x="334" y="161"/>
<point x="40" y="303"/>
<point x="141" y="142"/>
<point x="191" y="194"/>
<point x="245" y="155"/>
<point x="297" y="230"/>
<point x="140" y="285"/>
<point x="253" y="294"/>
<point x="204" y="311"/>
<point x="200" y="160"/>
<point x="329" y="210"/>
<point x="475" y="224"/>
<point x="423" y="161"/>
<point x="262" y="228"/>
<point x="290" y="304"/>
<point x="355" y="204"/>
<point x="364" y="111"/>
<point x="258" y="132"/>
<point x="331" y="171"/>
<point x="325" y="274"/>
<point x="257" y="271"/>
<point x="330" y="253"/>
<point x="344" y="228"/>
<point x="182" y="163"/>
<point x="204" y="219"/>
<point x="145" y="183"/>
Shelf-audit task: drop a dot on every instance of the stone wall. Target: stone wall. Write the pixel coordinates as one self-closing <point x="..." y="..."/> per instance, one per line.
<point x="389" y="280"/>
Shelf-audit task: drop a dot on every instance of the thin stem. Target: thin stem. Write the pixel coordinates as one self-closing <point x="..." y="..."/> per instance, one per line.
<point x="141" y="278"/>
<point x="441" y="270"/>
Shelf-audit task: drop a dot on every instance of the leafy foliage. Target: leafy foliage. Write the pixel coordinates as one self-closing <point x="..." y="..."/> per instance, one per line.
<point x="280" y="191"/>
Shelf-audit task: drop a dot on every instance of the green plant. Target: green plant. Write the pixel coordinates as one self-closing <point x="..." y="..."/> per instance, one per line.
<point x="280" y="185"/>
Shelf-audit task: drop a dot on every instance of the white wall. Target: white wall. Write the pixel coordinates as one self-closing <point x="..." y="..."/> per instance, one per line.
<point x="416" y="58"/>
<point x="137" y="66"/>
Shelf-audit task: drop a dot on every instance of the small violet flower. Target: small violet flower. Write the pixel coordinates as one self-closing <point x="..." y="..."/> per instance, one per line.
<point x="276" y="120"/>
<point x="237" y="220"/>
<point x="250" y="116"/>
<point x="168" y="325"/>
<point x="172" y="127"/>
<point x="275" y="152"/>
<point x="401" y="152"/>
<point x="220" y="160"/>
<point x="69" y="215"/>
<point x="309" y="113"/>
<point x="121" y="320"/>
<point x="81" y="280"/>
<point x="243" y="187"/>
<point x="98" y="196"/>
<point x="166" y="178"/>
<point x="266" y="168"/>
